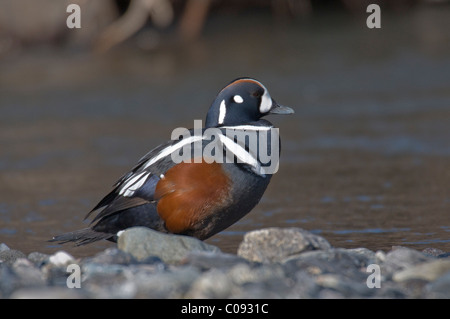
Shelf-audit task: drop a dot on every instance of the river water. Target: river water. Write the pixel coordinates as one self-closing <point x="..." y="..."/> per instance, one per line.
<point x="365" y="159"/>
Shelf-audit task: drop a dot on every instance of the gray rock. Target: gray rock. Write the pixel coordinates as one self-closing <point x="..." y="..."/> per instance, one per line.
<point x="10" y="256"/>
<point x="3" y="247"/>
<point x="55" y="276"/>
<point x="263" y="290"/>
<point x="401" y="258"/>
<point x="118" y="280"/>
<point x="243" y="274"/>
<point x="142" y="243"/>
<point x="428" y="271"/>
<point x="345" y="286"/>
<point x="207" y="260"/>
<point x="339" y="261"/>
<point x="368" y="255"/>
<point x="327" y="293"/>
<point x="8" y="281"/>
<point x="112" y="256"/>
<point x="305" y="286"/>
<point x="19" y="274"/>
<point x="433" y="252"/>
<point x="61" y="259"/>
<point x="39" y="259"/>
<point x="242" y="280"/>
<point x="47" y="293"/>
<point x="101" y="272"/>
<point x="277" y="244"/>
<point x="107" y="281"/>
<point x="391" y="290"/>
<point x="172" y="283"/>
<point x="212" y="284"/>
<point x="264" y="281"/>
<point x="440" y="288"/>
<point x="380" y="257"/>
<point x="28" y="274"/>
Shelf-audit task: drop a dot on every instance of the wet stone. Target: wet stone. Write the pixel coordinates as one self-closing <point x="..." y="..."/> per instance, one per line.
<point x="27" y="273"/>
<point x="433" y="252"/>
<point x="142" y="243"/>
<point x="305" y="285"/>
<point x="400" y="258"/>
<point x="212" y="284"/>
<point x="344" y="286"/>
<point x="428" y="271"/>
<point x="277" y="244"/>
<point x="112" y="256"/>
<point x="440" y="288"/>
<point x="60" y="259"/>
<point x="3" y="247"/>
<point x="39" y="259"/>
<point x="9" y="256"/>
<point x="174" y="282"/>
<point x="260" y="281"/>
<point x="340" y="261"/>
<point x="207" y="260"/>
<point x="48" y="293"/>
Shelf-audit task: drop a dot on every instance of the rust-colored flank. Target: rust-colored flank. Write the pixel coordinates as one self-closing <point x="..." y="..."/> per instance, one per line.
<point x="190" y="192"/>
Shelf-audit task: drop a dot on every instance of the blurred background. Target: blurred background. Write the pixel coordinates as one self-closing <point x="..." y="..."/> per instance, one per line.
<point x="365" y="159"/>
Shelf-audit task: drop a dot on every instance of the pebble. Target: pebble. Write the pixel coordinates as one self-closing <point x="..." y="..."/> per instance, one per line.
<point x="3" y="247"/>
<point x="400" y="258"/>
<point x="276" y="244"/>
<point x="61" y="258"/>
<point x="270" y="263"/>
<point x="142" y="243"/>
<point x="428" y="271"/>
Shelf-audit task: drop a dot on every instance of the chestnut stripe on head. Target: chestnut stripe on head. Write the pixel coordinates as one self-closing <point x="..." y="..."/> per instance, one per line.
<point x="266" y="99"/>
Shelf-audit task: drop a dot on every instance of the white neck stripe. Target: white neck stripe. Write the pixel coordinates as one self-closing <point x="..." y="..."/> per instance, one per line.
<point x="248" y="127"/>
<point x="241" y="154"/>
<point x="238" y="150"/>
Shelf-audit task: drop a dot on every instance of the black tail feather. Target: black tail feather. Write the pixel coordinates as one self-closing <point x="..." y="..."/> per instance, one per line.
<point x="82" y="237"/>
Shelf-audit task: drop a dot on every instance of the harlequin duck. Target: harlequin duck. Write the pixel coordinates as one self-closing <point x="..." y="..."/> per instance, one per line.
<point x="213" y="186"/>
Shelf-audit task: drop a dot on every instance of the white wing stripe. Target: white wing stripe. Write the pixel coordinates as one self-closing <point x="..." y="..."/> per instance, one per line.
<point x="170" y="149"/>
<point x="133" y="183"/>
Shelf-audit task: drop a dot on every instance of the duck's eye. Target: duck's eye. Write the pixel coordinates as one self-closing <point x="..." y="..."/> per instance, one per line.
<point x="257" y="94"/>
<point x="238" y="99"/>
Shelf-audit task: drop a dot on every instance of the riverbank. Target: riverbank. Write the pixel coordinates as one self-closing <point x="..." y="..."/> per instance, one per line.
<point x="270" y="263"/>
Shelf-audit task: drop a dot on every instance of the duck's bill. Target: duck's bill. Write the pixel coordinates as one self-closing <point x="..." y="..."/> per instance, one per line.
<point x="280" y="109"/>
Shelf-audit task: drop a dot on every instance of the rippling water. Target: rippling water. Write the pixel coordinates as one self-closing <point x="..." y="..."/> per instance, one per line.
<point x="365" y="160"/>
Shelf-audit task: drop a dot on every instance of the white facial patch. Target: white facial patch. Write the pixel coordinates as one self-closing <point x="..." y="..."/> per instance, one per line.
<point x="222" y="112"/>
<point x="266" y="102"/>
<point x="238" y="99"/>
